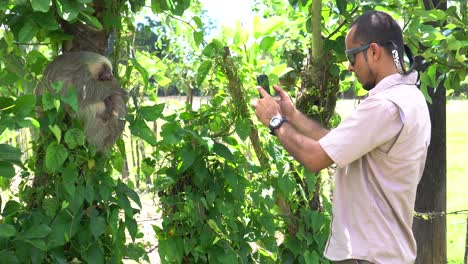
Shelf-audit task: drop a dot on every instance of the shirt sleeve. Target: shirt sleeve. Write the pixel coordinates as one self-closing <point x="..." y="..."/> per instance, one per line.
<point x="374" y="122"/>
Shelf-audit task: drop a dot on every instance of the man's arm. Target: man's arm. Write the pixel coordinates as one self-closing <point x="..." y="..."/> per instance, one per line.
<point x="298" y="120"/>
<point x="303" y="148"/>
<point x="306" y="126"/>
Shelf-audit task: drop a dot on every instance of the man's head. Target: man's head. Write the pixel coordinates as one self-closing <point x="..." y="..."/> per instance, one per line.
<point x="373" y="42"/>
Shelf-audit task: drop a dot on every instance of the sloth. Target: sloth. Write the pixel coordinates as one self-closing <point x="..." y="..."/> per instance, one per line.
<point x="101" y="100"/>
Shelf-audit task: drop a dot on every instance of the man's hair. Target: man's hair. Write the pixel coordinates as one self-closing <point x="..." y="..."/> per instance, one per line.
<point x="377" y="26"/>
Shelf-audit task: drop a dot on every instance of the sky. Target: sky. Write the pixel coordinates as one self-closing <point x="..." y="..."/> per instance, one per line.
<point x="227" y="12"/>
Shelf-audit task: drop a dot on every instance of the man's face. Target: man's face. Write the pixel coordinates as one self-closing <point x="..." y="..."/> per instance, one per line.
<point x="360" y="67"/>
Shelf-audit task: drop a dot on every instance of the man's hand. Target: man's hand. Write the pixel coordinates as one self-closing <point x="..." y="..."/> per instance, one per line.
<point x="287" y="107"/>
<point x="266" y="108"/>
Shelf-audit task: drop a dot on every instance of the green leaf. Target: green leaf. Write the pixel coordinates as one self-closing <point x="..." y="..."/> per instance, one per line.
<point x="74" y="137"/>
<point x="10" y="153"/>
<point x="95" y="254"/>
<point x="436" y="14"/>
<point x="203" y="71"/>
<point x="37" y="62"/>
<point x="198" y="37"/>
<point x="264" y="27"/>
<point x="46" y="20"/>
<point x="171" y="248"/>
<point x="37" y="231"/>
<point x="267" y="42"/>
<point x="57" y="132"/>
<point x="214" y="49"/>
<point x="71" y="98"/>
<point x="292" y="243"/>
<point x="97" y="226"/>
<point x="156" y="6"/>
<point x="7" y="105"/>
<point x="8" y="257"/>
<point x="141" y="130"/>
<point x="335" y="70"/>
<point x="7" y="170"/>
<point x="7" y="230"/>
<point x="144" y="73"/>
<point x="212" y="224"/>
<point x="50" y="206"/>
<point x="118" y="162"/>
<point x="132" y="227"/>
<point x="69" y="176"/>
<point x="423" y="88"/>
<point x="151" y="113"/>
<point x="89" y="192"/>
<point x="90" y="20"/>
<point x="311" y="179"/>
<point x="341" y="4"/>
<point x="243" y="128"/>
<point x="148" y="166"/>
<point x="130" y="193"/>
<point x="223" y="151"/>
<point x="311" y="258"/>
<point x="27" y="32"/>
<point x="281" y="69"/>
<point x="286" y="185"/>
<point x="56" y="155"/>
<point x="40" y="5"/>
<point x="188" y="156"/>
<point x="11" y="208"/>
<point x="48" y="101"/>
<point x="124" y="203"/>
<point x="38" y="243"/>
<point x="62" y="230"/>
<point x="24" y="105"/>
<point x="198" y="21"/>
<point x="68" y="9"/>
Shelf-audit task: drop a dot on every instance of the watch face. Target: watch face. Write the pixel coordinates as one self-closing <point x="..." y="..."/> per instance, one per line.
<point x="275" y="121"/>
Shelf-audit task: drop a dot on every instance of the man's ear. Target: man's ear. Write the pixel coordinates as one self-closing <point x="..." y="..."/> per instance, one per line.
<point x="376" y="51"/>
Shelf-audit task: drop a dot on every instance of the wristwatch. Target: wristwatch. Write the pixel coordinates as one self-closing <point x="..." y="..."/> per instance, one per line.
<point x="276" y="122"/>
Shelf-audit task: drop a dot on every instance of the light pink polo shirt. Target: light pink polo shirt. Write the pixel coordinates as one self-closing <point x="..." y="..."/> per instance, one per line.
<point x="380" y="150"/>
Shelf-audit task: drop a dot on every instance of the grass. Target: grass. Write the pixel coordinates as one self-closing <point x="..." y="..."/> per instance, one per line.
<point x="457" y="186"/>
<point x="457" y="195"/>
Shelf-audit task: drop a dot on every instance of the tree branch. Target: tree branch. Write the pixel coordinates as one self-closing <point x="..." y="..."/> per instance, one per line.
<point x="342" y="24"/>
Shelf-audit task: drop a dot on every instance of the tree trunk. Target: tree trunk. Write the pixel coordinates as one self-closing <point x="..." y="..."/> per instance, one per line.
<point x="465" y="259"/>
<point x="431" y="195"/>
<point x="85" y="37"/>
<point x="318" y="93"/>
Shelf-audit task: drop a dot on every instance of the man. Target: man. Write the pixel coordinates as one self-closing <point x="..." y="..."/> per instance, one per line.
<point x="380" y="149"/>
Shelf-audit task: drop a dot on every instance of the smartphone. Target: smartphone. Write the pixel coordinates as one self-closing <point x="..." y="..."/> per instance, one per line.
<point x="262" y="80"/>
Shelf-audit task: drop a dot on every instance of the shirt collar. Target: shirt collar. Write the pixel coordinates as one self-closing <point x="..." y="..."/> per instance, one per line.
<point x="394" y="79"/>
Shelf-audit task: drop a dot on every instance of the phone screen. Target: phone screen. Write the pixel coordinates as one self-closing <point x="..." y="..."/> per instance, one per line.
<point x="262" y="80"/>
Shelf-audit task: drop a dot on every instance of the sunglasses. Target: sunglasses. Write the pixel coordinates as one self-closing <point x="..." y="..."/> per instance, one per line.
<point x="351" y="53"/>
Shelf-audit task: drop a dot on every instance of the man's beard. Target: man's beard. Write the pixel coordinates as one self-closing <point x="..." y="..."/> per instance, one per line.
<point x="368" y="85"/>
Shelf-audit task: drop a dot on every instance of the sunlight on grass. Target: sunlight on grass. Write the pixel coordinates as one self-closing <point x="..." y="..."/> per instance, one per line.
<point x="457" y="196"/>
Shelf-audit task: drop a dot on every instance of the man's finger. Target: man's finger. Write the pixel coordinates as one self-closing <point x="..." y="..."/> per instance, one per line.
<point x="281" y="92"/>
<point x="254" y="104"/>
<point x="262" y="92"/>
